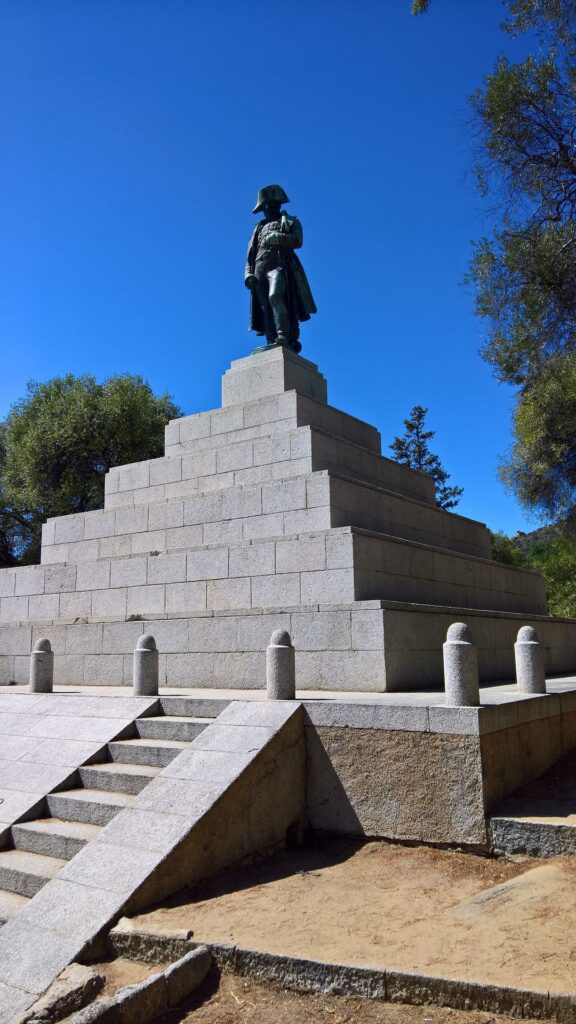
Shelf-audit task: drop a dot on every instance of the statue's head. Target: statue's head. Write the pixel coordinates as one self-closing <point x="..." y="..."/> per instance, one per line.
<point x="270" y="194"/>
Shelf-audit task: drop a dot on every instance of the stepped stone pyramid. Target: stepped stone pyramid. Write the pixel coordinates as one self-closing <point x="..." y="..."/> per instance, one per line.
<point x="274" y="511"/>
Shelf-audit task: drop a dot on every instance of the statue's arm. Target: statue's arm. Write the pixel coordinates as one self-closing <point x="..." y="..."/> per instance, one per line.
<point x="249" y="268"/>
<point x="291" y="239"/>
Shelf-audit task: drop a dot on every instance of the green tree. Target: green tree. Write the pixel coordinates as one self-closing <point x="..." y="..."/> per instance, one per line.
<point x="58" y="442"/>
<point x="556" y="560"/>
<point x="541" y="466"/>
<point x="505" y="549"/>
<point x="524" y="275"/>
<point x="13" y="525"/>
<point x="551" y="551"/>
<point x="413" y="450"/>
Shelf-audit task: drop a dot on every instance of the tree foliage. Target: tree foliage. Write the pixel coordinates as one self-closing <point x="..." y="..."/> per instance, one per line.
<point x="58" y="442"/>
<point x="541" y="467"/>
<point x="553" y="553"/>
<point x="524" y="275"/>
<point x="413" y="450"/>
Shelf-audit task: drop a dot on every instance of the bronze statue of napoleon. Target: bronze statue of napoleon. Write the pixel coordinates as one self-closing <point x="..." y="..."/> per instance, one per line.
<point x="281" y="296"/>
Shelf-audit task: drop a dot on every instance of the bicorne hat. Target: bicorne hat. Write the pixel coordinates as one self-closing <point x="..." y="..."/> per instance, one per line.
<point x="270" y="192"/>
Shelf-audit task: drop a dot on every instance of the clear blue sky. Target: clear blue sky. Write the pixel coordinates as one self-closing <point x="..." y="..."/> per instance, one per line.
<point x="135" y="134"/>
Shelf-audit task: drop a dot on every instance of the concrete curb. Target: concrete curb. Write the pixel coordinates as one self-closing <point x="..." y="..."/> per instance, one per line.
<point x="142" y="1002"/>
<point x="367" y="982"/>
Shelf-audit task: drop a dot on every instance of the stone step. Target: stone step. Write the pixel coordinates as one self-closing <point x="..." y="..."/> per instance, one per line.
<point x="94" y="806"/>
<point x="151" y="752"/>
<point x="298" y="451"/>
<point x="10" y="904"/>
<point x="534" y="837"/>
<point x="53" y="836"/>
<point x="192" y="707"/>
<point x="25" y="873"/>
<point x="118" y="777"/>
<point x="171" y="727"/>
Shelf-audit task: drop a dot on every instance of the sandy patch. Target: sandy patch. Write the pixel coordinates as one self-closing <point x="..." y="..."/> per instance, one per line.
<point x="382" y="905"/>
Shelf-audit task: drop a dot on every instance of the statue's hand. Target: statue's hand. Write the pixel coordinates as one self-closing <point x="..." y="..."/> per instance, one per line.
<point x="250" y="281"/>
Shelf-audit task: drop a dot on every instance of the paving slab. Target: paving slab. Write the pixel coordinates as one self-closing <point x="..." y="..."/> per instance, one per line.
<point x="13" y="1001"/>
<point x="10" y="904"/>
<point x="45" y="737"/>
<point x="73" y="909"/>
<point x="110" y="867"/>
<point x="490" y="693"/>
<point x="155" y="831"/>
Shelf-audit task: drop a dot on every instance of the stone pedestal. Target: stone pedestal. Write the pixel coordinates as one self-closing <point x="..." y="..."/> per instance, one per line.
<point x="269" y="373"/>
<point x="274" y="512"/>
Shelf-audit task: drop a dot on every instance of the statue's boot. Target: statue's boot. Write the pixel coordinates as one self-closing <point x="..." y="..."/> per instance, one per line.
<point x="282" y="322"/>
<point x="282" y="328"/>
<point x="269" y="328"/>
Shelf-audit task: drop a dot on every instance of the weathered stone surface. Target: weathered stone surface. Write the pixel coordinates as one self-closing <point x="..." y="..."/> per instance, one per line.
<point x="271" y="373"/>
<point x="186" y="974"/>
<point x="73" y="989"/>
<point x="362" y="782"/>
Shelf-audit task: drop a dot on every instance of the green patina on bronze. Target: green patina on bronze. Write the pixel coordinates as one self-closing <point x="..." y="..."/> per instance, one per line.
<point x="280" y="294"/>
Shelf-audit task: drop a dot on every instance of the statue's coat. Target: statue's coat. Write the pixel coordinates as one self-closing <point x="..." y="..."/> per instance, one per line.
<point x="300" y="300"/>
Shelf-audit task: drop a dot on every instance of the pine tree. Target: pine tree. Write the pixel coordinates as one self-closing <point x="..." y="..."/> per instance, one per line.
<point x="412" y="450"/>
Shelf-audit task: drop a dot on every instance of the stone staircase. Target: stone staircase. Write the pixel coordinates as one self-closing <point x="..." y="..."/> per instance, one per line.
<point x="175" y="790"/>
<point x="38" y="849"/>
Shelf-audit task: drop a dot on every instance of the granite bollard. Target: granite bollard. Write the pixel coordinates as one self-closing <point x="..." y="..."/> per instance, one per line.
<point x="145" y="675"/>
<point x="280" y="667"/>
<point x="42" y="667"/>
<point x="461" y="680"/>
<point x="529" y="658"/>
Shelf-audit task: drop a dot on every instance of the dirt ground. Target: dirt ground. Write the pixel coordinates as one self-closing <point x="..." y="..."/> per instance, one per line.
<point x="244" y="1001"/>
<point x="119" y="972"/>
<point x="407" y="908"/>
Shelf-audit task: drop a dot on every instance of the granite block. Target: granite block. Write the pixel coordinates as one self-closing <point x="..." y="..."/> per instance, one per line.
<point x="276" y="591"/>
<point x="164" y="568"/>
<point x="185" y="597"/>
<point x="110" y="867"/>
<point x="146" y="600"/>
<point x="257" y="559"/>
<point x="29" y="581"/>
<point x="226" y="595"/>
<point x="208" y="564"/>
<point x="301" y="554"/>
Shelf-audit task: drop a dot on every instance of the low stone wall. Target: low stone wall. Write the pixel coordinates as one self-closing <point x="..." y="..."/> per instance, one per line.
<point x="369" y="646"/>
<point x="414" y="634"/>
<point x="339" y="648"/>
<point x="396" y="784"/>
<point x="427" y="774"/>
